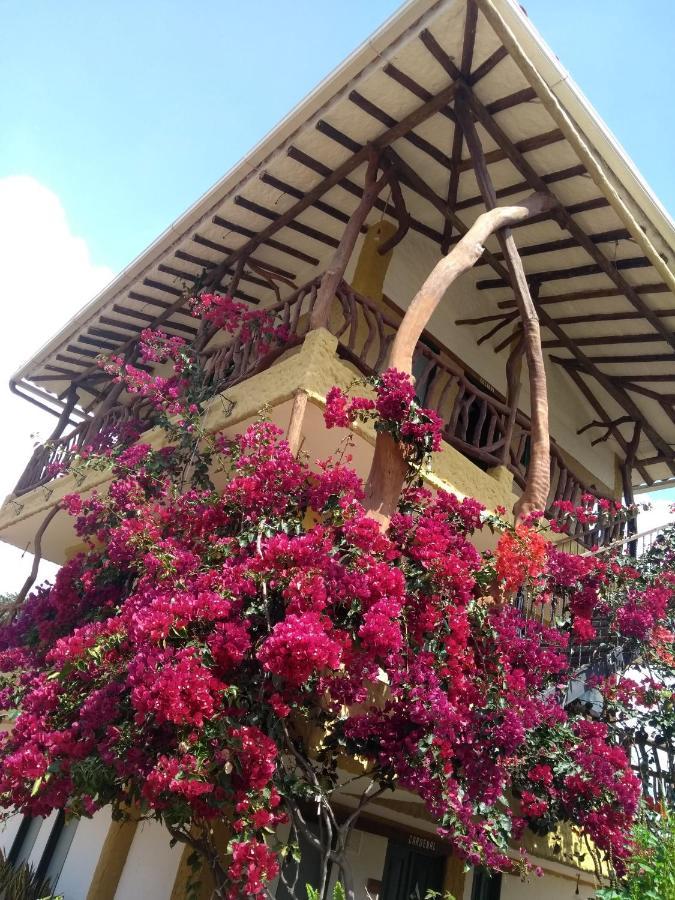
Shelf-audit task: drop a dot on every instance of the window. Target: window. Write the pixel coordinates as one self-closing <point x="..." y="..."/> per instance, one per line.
<point x="56" y="848"/>
<point x="24" y="840"/>
<point x="410" y="872"/>
<point x="486" y="885"/>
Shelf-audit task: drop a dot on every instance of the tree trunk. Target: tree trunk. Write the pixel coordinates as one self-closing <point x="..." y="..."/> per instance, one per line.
<point x="388" y="469"/>
<point x="537" y="485"/>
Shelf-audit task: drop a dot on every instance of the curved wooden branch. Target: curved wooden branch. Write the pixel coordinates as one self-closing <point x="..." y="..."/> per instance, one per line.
<point x="462" y="257"/>
<point x="387" y="471"/>
<point x="37" y="558"/>
<point x="538" y="483"/>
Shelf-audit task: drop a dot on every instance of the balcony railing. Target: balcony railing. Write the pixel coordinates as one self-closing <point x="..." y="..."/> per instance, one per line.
<point x="476" y="420"/>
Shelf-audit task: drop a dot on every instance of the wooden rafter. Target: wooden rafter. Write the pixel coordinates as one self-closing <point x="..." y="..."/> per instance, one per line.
<point x="391" y="134"/>
<point x="346" y="184"/>
<point x="567" y="221"/>
<point x="594" y="294"/>
<point x="457" y="135"/>
<point x="637" y="262"/>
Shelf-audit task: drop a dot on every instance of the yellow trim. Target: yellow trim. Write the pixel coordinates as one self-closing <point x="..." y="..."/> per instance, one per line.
<point x="112" y="859"/>
<point x="371" y="268"/>
<point x="454" y="877"/>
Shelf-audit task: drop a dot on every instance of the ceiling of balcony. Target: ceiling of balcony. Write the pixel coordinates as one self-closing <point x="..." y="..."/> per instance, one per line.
<point x="602" y="271"/>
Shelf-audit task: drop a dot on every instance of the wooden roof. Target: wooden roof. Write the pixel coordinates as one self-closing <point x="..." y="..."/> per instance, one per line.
<point x="602" y="268"/>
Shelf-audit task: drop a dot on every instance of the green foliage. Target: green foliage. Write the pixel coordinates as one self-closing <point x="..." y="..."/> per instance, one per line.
<point x="338" y="892"/>
<point x="21" y="883"/>
<point x="651" y="871"/>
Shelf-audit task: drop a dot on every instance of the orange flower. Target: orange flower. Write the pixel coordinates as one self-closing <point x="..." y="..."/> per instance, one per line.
<point x="521" y="554"/>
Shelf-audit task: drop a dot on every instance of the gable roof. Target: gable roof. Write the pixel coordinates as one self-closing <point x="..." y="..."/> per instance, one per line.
<point x="605" y="281"/>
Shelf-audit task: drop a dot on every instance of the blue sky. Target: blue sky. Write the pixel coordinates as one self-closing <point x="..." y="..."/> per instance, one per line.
<point x="130" y="110"/>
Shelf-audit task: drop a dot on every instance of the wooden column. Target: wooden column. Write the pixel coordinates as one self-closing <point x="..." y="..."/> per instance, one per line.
<point x="294" y="433"/>
<point x="336" y="268"/>
<point x="372" y="264"/>
<point x="112" y="859"/>
<point x="514" y="371"/>
<point x="627" y="483"/>
<point x="535" y="494"/>
<point x="454" y="877"/>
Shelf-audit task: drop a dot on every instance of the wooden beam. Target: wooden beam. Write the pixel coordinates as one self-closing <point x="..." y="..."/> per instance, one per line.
<point x="419" y="142"/>
<point x="488" y="64"/>
<point x="603" y="237"/>
<point x="251" y="234"/>
<point x="147" y="318"/>
<point x="314" y="233"/>
<point x="621" y="316"/>
<point x="527" y="171"/>
<point x="285" y="188"/>
<point x="414" y="87"/>
<point x="221" y="248"/>
<point x="321" y="169"/>
<point x="538" y="480"/>
<point x="388" y="136"/>
<point x="526" y="95"/>
<point x="637" y="262"/>
<point x="594" y="294"/>
<point x="189" y="277"/>
<point x="520" y="186"/>
<point x="606" y="340"/>
<point x="634" y="358"/>
<point x="440" y="55"/>
<point x="659" y="378"/>
<point x="457" y="135"/>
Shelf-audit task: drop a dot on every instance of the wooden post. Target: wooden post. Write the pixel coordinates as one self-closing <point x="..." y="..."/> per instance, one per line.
<point x="627" y="483"/>
<point x="537" y="486"/>
<point x="514" y="369"/>
<point x="298" y="410"/>
<point x="388" y="469"/>
<point x="336" y="268"/>
<point x="111" y="860"/>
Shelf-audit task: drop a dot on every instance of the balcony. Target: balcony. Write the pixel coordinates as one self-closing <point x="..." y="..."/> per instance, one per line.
<point x="477" y="419"/>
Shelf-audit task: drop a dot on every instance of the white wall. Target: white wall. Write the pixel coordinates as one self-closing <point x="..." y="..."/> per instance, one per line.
<point x="151" y="866"/>
<point x="8" y="830"/>
<point x="84" y="852"/>
<point x="552" y="886"/>
<point x="366" y="854"/>
<point x="42" y="838"/>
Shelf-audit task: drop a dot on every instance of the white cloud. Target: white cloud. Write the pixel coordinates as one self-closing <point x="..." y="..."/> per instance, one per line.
<point x="659" y="514"/>
<point x="46" y="276"/>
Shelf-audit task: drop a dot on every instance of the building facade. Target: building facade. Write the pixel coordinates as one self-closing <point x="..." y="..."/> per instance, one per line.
<point x="599" y="267"/>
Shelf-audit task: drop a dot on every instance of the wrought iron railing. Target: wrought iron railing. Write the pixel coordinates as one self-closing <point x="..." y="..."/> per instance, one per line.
<point x="476" y="420"/>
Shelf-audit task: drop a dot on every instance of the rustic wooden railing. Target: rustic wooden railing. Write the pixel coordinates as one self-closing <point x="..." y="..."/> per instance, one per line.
<point x="57" y="455"/>
<point x="476" y="420"/>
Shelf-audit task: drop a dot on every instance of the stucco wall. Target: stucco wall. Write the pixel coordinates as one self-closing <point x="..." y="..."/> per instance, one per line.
<point x="150" y="869"/>
<point x="8" y="832"/>
<point x="83" y="855"/>
<point x="366" y="854"/>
